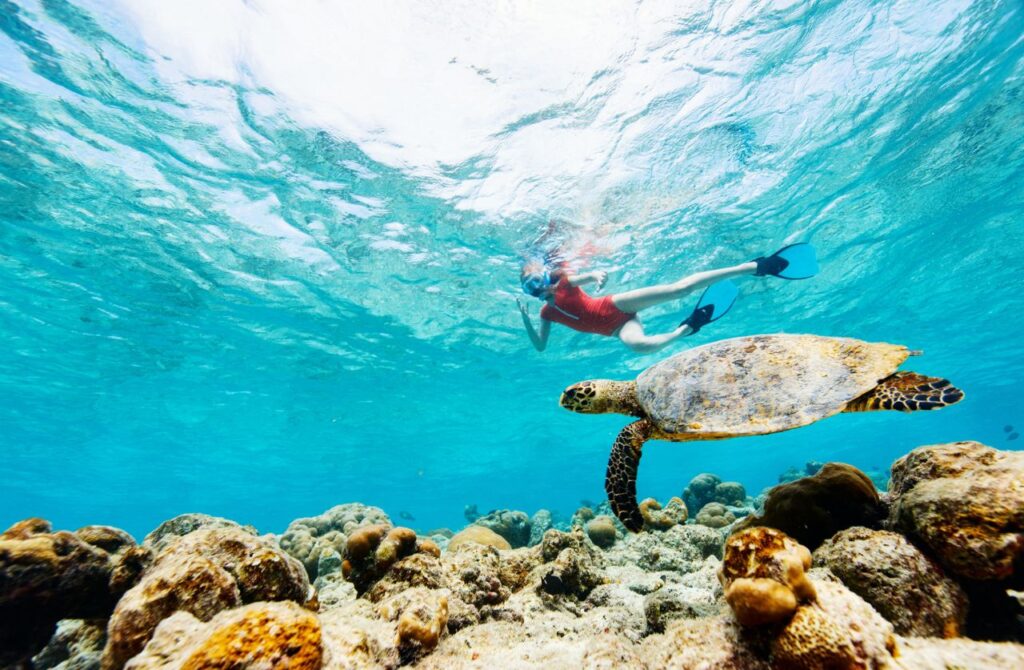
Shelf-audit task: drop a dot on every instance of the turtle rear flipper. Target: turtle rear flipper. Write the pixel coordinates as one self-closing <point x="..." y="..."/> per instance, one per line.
<point x="620" y="480"/>
<point x="907" y="392"/>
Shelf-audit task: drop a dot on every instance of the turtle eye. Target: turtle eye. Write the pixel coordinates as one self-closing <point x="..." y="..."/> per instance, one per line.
<point x="575" y="398"/>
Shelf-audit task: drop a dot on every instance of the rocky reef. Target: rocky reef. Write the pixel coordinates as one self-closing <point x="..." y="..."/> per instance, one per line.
<point x="867" y="586"/>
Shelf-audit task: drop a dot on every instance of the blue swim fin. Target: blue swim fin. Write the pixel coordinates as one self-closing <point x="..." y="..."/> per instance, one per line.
<point x="797" y="261"/>
<point x="712" y="306"/>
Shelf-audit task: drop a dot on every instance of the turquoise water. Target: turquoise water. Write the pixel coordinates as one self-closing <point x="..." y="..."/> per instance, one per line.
<point x="259" y="258"/>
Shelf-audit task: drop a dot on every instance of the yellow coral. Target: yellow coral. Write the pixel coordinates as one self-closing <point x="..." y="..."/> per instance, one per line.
<point x="601" y="531"/>
<point x="812" y="640"/>
<point x="480" y="535"/>
<point x="658" y="518"/>
<point x="420" y="627"/>
<point x="838" y="631"/>
<point x="760" y="601"/>
<point x="428" y="547"/>
<point x="763" y="575"/>
<point x="262" y="637"/>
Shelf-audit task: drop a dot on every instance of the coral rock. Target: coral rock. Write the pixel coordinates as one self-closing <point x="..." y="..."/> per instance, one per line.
<point x="109" y="539"/>
<point x="183" y="524"/>
<point x="372" y="550"/>
<point x="601" y="531"/>
<point x="701" y="490"/>
<point x="658" y="518"/>
<point x="356" y="637"/>
<point x="815" y="508"/>
<point x="47" y="576"/>
<point x="838" y="631"/>
<point x="191" y="584"/>
<point x="714" y="515"/>
<point x="128" y="567"/>
<point x="318" y="540"/>
<point x="938" y="654"/>
<point x="422" y="617"/>
<point x="683" y="600"/>
<point x="581" y="516"/>
<point x="475" y="576"/>
<point x="730" y="494"/>
<point x="572" y="566"/>
<point x="540" y="523"/>
<point x="419" y="569"/>
<point x="512" y="525"/>
<point x="891" y="574"/>
<point x="680" y="549"/>
<point x="965" y="502"/>
<point x="552" y="640"/>
<point x="259" y="635"/>
<point x="763" y="576"/>
<point x="480" y="535"/>
<point x="716" y="643"/>
<point x="76" y="645"/>
<point x="516" y="566"/>
<point x="207" y="571"/>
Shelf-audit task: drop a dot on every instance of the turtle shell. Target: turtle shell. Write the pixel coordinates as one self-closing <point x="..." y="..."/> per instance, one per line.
<point x="762" y="384"/>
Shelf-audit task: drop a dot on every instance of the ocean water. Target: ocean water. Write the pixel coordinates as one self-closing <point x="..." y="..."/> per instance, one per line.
<point x="258" y="258"/>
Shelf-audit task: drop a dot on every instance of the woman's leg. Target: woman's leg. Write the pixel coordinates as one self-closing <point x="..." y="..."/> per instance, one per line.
<point x="642" y="298"/>
<point x="632" y="335"/>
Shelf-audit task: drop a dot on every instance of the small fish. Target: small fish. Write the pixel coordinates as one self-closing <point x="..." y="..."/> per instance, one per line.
<point x="1007" y="428"/>
<point x="406" y="516"/>
<point x="1012" y="436"/>
<point x="586" y="503"/>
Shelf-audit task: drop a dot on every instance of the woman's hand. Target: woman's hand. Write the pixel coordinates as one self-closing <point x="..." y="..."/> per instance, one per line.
<point x="600" y="276"/>
<point x="523" y="309"/>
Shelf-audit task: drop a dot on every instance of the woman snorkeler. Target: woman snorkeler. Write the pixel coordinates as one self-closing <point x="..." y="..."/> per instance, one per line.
<point x="616" y="315"/>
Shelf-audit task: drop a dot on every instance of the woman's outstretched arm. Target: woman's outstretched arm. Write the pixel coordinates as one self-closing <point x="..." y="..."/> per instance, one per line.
<point x="539" y="339"/>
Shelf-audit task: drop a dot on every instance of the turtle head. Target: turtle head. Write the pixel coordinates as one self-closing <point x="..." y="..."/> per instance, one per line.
<point x="602" y="396"/>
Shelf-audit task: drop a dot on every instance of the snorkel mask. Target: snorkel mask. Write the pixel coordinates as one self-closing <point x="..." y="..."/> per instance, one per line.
<point x="535" y="283"/>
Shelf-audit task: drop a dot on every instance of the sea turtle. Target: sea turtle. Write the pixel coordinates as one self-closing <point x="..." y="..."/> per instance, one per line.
<point x="749" y="386"/>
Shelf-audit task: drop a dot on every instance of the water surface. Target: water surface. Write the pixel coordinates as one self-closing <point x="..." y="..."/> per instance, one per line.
<point x="259" y="258"/>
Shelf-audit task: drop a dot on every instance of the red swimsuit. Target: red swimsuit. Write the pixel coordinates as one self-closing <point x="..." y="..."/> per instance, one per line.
<point x="584" y="313"/>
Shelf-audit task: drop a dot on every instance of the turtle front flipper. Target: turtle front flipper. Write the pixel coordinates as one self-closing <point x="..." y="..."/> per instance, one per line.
<point x="907" y="392"/>
<point x="620" y="480"/>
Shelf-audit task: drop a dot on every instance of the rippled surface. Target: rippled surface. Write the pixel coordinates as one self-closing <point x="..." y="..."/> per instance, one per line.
<point x="257" y="258"/>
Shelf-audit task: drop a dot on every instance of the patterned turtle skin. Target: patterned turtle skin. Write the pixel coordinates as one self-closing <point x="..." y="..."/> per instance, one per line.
<point x="749" y="386"/>
<point x="761" y="384"/>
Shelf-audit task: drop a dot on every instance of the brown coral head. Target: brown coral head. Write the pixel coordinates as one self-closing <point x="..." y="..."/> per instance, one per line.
<point x="760" y="601"/>
<point x="403" y="539"/>
<point x="26" y="528"/>
<point x="812" y="639"/>
<point x="601" y="531"/>
<point x="363" y="541"/>
<point x="109" y="539"/>
<point x="764" y="575"/>
<point x="428" y="547"/>
<point x="371" y="551"/>
<point x="815" y="508"/>
<point x="420" y="628"/>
